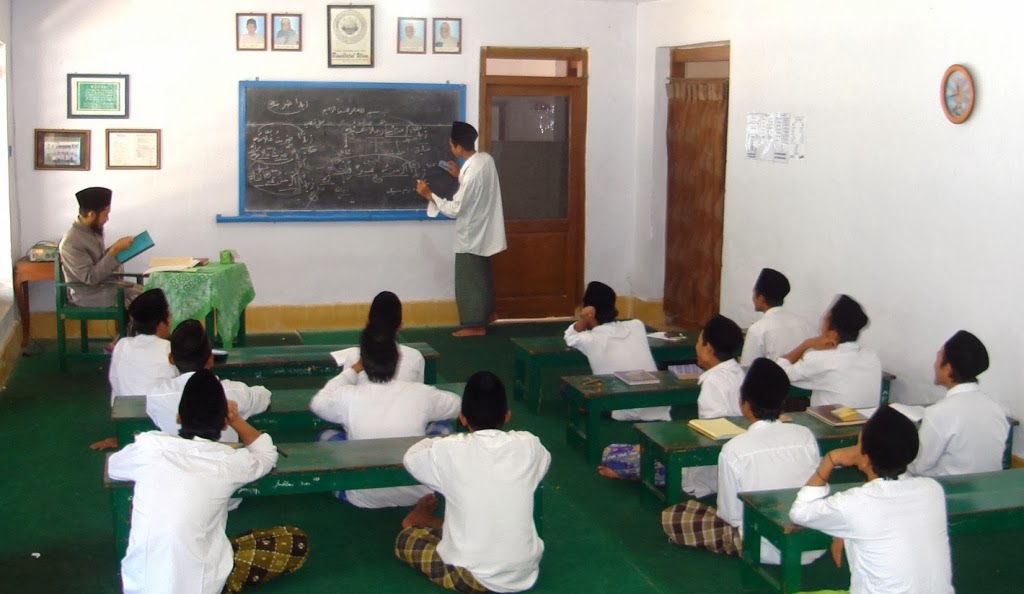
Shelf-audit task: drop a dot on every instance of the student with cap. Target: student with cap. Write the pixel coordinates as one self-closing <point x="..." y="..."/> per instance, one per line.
<point x="769" y="455"/>
<point x="779" y="330"/>
<point x="479" y="228"/>
<point x="894" y="526"/>
<point x="85" y="259"/>
<point x="833" y="365"/>
<point x="966" y="431"/>
<point x="386" y="313"/>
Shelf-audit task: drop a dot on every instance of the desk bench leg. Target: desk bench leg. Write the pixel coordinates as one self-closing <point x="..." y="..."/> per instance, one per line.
<point x="593" y="442"/>
<point x="519" y="383"/>
<point x="121" y="505"/>
<point x="533" y="388"/>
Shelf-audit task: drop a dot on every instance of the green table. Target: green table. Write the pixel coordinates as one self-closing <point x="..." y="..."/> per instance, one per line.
<point x="534" y="356"/>
<point x="677" y="446"/>
<point x="985" y="502"/>
<point x="197" y="293"/>
<point x="257" y="363"/>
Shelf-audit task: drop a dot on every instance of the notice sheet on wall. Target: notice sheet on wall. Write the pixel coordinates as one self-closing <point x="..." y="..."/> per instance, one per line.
<point x="775" y="136"/>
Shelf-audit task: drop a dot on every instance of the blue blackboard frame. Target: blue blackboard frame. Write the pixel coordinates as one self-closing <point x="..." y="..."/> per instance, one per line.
<point x="275" y="216"/>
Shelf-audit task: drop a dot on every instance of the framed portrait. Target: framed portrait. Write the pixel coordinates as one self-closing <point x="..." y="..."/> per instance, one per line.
<point x="349" y="36"/>
<point x="286" y="32"/>
<point x="447" y="36"/>
<point x="97" y="95"/>
<point x="133" y="149"/>
<point x="250" y="31"/>
<point x="412" y="36"/>
<point x="62" y="149"/>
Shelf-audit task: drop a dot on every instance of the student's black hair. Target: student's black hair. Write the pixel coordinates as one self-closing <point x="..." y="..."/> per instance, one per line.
<point x="147" y="311"/>
<point x="190" y="346"/>
<point x="966" y="356"/>
<point x="724" y="336"/>
<point x="203" y="407"/>
<point x="386" y="310"/>
<point x="484" y="403"/>
<point x="378" y="352"/>
<point x="764" y="389"/>
<point x="890" y="440"/>
<point x="847" y="318"/>
<point x="773" y="286"/>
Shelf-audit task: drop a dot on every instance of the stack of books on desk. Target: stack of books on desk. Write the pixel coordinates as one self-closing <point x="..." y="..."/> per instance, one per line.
<point x="837" y="415"/>
<point x="637" y="377"/>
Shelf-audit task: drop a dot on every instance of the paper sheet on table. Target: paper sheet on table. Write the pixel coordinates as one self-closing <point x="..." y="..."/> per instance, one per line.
<point x="913" y="412"/>
<point x="661" y="335"/>
<point x="343" y="355"/>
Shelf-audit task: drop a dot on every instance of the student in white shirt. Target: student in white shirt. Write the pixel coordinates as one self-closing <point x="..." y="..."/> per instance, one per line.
<point x="894" y="526"/>
<point x="779" y="330"/>
<point x="488" y="478"/>
<point x="386" y="312"/>
<point x="140" y="361"/>
<point x="191" y="352"/>
<point x="183" y="483"/>
<point x="966" y="431"/>
<point x="381" y="407"/>
<point x="833" y="365"/>
<point x="770" y="455"/>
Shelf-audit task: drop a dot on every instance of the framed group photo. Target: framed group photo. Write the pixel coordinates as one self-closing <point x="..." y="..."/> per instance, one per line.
<point x="62" y="149"/>
<point x="133" y="149"/>
<point x="349" y="36"/>
<point x="250" y="31"/>
<point x="447" y="36"/>
<point x="287" y="32"/>
<point x="412" y="35"/>
<point x="97" y="95"/>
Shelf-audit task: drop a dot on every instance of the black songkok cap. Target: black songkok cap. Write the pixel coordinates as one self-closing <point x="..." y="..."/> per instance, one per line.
<point x="602" y="298"/>
<point x="463" y="134"/>
<point x="149" y="308"/>
<point x="847" y="316"/>
<point x="966" y="354"/>
<point x="772" y="285"/>
<point x="723" y="335"/>
<point x="94" y="198"/>
<point x="765" y="385"/>
<point x="889" y="439"/>
<point x="203" y="405"/>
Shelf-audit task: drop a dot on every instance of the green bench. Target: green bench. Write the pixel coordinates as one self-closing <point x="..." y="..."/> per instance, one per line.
<point x="258" y="363"/>
<point x="986" y="502"/>
<point x="535" y="356"/>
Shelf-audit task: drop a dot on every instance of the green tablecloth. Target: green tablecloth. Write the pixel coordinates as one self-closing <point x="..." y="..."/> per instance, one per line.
<point x="195" y="292"/>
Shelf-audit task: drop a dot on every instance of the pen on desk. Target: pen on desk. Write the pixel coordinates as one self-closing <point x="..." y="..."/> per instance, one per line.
<point x="282" y="453"/>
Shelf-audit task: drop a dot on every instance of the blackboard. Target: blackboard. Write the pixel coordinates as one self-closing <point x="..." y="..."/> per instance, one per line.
<point x="333" y="150"/>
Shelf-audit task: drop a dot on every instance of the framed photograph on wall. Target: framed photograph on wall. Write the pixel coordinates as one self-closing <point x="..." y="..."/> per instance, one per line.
<point x="287" y="32"/>
<point x="97" y="95"/>
<point x="62" y="149"/>
<point x="447" y="36"/>
<point x="349" y="36"/>
<point x="412" y="35"/>
<point x="250" y="31"/>
<point x="133" y="149"/>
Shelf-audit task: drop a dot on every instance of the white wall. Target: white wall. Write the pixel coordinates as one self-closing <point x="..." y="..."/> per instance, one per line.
<point x="184" y="80"/>
<point x="915" y="217"/>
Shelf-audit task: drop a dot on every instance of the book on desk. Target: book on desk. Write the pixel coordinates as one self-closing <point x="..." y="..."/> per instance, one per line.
<point x="637" y="377"/>
<point x="837" y="415"/>
<point x="716" y="428"/>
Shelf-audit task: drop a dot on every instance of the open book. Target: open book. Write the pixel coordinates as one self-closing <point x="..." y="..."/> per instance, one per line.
<point x="686" y="371"/>
<point x="716" y="428"/>
<point x="837" y="415"/>
<point x="637" y="377"/>
<point x="163" y="264"/>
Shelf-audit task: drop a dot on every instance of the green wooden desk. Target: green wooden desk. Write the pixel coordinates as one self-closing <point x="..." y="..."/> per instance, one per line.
<point x="677" y="446"/>
<point x="256" y="363"/>
<point x="534" y="356"/>
<point x="985" y="502"/>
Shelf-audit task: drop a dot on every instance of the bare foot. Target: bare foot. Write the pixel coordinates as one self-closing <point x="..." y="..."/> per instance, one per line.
<point x="470" y="331"/>
<point x="423" y="513"/>
<point x="608" y="473"/>
<point x="109" y="443"/>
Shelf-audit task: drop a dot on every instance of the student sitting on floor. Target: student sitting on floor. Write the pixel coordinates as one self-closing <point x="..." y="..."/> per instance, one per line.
<point x="612" y="346"/>
<point x="386" y="312"/>
<point x="779" y="330"/>
<point x="179" y="507"/>
<point x="384" y="406"/>
<point x="966" y="431"/>
<point x="770" y="455"/>
<point x="488" y="478"/>
<point x="190" y="352"/>
<point x="894" y="526"/>
<point x="833" y="365"/>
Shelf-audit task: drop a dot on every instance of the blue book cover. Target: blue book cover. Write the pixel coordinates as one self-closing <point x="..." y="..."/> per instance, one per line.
<point x="141" y="243"/>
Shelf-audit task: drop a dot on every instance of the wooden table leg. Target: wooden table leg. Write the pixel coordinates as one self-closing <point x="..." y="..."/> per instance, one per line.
<point x="21" y="295"/>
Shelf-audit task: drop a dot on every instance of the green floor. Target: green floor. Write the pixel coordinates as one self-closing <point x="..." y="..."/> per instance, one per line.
<point x="600" y="535"/>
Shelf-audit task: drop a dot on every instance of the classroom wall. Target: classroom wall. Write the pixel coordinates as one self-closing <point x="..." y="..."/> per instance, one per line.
<point x="184" y="80"/>
<point x="915" y="217"/>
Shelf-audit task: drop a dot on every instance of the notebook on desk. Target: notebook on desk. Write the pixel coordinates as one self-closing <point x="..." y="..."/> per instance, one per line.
<point x="140" y="243"/>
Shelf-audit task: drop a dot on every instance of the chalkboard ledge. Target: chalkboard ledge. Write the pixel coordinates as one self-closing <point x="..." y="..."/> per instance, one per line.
<point x="321" y="216"/>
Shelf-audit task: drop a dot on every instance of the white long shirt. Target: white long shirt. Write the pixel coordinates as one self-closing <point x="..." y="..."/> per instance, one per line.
<point x="476" y="208"/>
<point x="963" y="433"/>
<point x="370" y="410"/>
<point x="895" y="533"/>
<point x="778" y="332"/>
<point x="619" y="346"/>
<point x="848" y="375"/>
<point x="139" y="364"/>
<point x="770" y="455"/>
<point x="719" y="397"/>
<point x="177" y="543"/>
<point x="162" y="403"/>
<point x="411" y="363"/>
<point x="488" y="479"/>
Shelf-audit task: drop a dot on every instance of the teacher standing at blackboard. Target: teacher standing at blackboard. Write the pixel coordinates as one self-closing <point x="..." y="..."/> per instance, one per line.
<point x="479" y="228"/>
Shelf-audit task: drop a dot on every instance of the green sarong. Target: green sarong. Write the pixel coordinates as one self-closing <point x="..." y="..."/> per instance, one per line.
<point x="474" y="289"/>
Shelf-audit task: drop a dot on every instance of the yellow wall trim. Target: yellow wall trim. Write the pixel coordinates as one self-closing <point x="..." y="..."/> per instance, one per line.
<point x="10" y="353"/>
<point x="1017" y="462"/>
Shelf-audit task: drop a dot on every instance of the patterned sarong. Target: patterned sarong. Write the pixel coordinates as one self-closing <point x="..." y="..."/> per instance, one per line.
<point x="474" y="289"/>
<point x="624" y="460"/>
<point x="262" y="555"/>
<point x="416" y="546"/>
<point x="694" y="524"/>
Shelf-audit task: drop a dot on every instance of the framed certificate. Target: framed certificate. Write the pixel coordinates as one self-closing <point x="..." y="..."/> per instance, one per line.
<point x="133" y="149"/>
<point x="349" y="36"/>
<point x="62" y="149"/>
<point x="97" y="95"/>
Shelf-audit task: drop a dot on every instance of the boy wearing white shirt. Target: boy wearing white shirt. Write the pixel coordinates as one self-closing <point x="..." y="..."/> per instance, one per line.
<point x="386" y="312"/>
<point x="894" y="526"/>
<point x="770" y="455"/>
<point x="488" y="478"/>
<point x="779" y="330"/>
<point x="833" y="365"/>
<point x="381" y="407"/>
<point x="190" y="352"/>
<point x="182" y="487"/>
<point x="966" y="431"/>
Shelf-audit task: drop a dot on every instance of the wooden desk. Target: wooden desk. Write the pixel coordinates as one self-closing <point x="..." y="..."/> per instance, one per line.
<point x="28" y="272"/>
<point x="535" y="356"/>
<point x="258" y="363"/>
